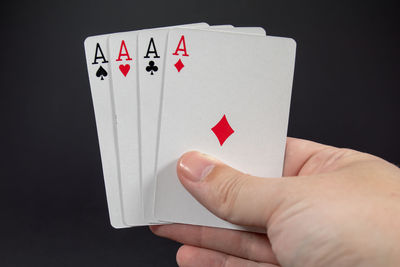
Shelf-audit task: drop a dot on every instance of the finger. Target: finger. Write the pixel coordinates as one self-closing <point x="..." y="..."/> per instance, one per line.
<point x="298" y="152"/>
<point x="189" y="256"/>
<point x="232" y="195"/>
<point x="251" y="246"/>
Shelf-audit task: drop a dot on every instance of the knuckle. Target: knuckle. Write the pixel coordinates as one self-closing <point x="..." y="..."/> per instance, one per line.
<point x="248" y="247"/>
<point x="202" y="237"/>
<point x="339" y="157"/>
<point x="227" y="185"/>
<point x="328" y="159"/>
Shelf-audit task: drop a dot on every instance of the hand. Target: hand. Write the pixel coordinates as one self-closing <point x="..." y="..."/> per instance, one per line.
<point x="335" y="207"/>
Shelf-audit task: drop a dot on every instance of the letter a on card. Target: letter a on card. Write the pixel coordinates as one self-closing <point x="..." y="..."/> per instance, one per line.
<point x="124" y="68"/>
<point x="181" y="48"/>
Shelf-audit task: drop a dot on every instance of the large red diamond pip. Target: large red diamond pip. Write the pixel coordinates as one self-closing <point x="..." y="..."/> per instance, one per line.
<point x="222" y="130"/>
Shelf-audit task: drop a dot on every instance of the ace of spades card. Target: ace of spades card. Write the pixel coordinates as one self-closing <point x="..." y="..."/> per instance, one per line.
<point x="97" y="60"/>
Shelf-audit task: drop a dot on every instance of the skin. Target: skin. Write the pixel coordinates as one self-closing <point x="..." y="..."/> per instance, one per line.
<point x="334" y="207"/>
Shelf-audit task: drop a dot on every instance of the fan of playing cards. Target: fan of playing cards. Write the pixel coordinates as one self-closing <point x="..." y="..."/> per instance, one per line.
<point x="158" y="93"/>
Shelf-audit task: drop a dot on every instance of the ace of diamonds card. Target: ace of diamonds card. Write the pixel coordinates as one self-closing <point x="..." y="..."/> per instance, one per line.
<point x="226" y="95"/>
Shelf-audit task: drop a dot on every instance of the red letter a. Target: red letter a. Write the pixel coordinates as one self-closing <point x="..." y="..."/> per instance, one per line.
<point x="126" y="54"/>
<point x="181" y="41"/>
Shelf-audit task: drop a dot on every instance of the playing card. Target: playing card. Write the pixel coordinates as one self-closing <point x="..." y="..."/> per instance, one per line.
<point x="123" y="66"/>
<point x="226" y="26"/>
<point x="227" y="95"/>
<point x="151" y="53"/>
<point x="243" y="30"/>
<point x="97" y="60"/>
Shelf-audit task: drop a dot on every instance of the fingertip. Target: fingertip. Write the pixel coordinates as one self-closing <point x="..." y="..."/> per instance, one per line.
<point x="184" y="255"/>
<point x="154" y="228"/>
<point x="166" y="230"/>
<point x="179" y="256"/>
<point x="160" y="229"/>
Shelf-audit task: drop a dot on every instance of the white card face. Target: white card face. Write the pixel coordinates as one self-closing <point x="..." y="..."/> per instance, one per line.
<point x="243" y="30"/>
<point x="227" y="26"/>
<point x="123" y="66"/>
<point x="253" y="30"/>
<point x="151" y="52"/>
<point x="97" y="59"/>
<point x="227" y="95"/>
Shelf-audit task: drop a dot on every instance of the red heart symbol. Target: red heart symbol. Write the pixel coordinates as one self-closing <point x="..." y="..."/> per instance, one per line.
<point x="124" y="69"/>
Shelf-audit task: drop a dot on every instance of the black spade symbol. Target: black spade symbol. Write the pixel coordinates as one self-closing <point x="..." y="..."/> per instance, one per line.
<point x="101" y="73"/>
<point x="151" y="67"/>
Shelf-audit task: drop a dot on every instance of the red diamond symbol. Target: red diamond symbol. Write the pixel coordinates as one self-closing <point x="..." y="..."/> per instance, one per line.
<point x="179" y="65"/>
<point x="222" y="130"/>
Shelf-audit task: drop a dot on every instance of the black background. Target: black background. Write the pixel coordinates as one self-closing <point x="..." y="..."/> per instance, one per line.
<point x="52" y="199"/>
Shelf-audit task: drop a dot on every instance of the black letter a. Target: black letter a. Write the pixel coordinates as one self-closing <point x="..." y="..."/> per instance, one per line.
<point x="98" y="48"/>
<point x="151" y="51"/>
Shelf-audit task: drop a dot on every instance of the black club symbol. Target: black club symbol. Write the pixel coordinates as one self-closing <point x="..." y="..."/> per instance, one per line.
<point x="151" y="67"/>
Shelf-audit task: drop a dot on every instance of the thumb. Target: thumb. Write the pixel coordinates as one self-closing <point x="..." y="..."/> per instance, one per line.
<point x="232" y="195"/>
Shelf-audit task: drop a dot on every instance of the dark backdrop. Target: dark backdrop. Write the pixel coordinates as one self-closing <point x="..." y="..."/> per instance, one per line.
<point x="52" y="201"/>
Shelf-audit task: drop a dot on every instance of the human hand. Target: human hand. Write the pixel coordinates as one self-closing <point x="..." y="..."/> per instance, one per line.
<point x="335" y="207"/>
